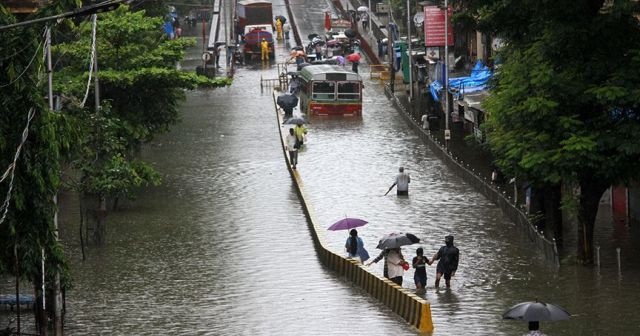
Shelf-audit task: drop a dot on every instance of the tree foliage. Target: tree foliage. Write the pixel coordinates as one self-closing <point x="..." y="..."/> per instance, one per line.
<point x="140" y="89"/>
<point x="565" y="103"/>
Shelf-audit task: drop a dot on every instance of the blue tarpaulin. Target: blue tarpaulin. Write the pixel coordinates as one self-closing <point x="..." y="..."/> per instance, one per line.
<point x="476" y="81"/>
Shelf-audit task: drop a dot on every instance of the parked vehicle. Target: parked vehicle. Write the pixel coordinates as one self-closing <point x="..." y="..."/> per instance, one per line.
<point x="255" y="22"/>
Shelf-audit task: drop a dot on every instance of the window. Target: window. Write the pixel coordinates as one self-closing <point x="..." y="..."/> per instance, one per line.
<point x="348" y="91"/>
<point x="324" y="91"/>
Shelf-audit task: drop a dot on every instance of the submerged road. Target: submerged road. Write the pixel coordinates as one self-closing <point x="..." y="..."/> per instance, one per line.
<point x="222" y="247"/>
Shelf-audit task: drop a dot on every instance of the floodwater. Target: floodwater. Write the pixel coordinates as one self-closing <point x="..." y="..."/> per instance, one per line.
<point x="222" y="247"/>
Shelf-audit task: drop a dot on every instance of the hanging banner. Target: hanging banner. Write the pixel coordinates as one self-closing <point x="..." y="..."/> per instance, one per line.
<point x="434" y="27"/>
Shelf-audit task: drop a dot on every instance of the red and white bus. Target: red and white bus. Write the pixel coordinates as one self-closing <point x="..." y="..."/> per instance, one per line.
<point x="330" y="90"/>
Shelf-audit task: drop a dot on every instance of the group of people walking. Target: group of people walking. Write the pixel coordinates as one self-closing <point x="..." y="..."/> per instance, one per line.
<point x="395" y="264"/>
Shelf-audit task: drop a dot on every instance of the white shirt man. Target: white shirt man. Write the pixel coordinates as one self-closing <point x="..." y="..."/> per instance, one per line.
<point x="402" y="182"/>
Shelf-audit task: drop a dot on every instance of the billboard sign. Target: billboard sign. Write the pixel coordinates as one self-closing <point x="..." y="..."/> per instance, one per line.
<point x="434" y="27"/>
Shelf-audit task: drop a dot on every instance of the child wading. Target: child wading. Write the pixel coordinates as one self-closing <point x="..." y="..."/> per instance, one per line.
<point x="420" y="276"/>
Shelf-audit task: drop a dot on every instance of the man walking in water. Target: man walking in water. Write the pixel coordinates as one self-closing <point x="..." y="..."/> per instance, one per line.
<point x="448" y="257"/>
<point x="401" y="183"/>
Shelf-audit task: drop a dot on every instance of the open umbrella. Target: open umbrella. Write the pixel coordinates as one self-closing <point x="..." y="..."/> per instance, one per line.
<point x="327" y="21"/>
<point x="312" y="36"/>
<point x="347" y="224"/>
<point x="394" y="240"/>
<point x="363" y="9"/>
<point x="350" y="33"/>
<point x="340" y="60"/>
<point x="287" y="101"/>
<point x="282" y="18"/>
<point x="295" y="121"/>
<point x="536" y="311"/>
<point x="355" y="57"/>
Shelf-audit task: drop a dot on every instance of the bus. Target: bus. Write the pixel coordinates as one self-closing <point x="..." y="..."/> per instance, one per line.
<point x="328" y="90"/>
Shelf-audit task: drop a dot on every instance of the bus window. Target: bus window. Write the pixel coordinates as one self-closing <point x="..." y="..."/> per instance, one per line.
<point x="324" y="91"/>
<point x="348" y="90"/>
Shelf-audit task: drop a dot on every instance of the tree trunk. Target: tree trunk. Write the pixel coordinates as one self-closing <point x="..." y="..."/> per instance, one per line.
<point x="100" y="231"/>
<point x="591" y="191"/>
<point x="552" y="211"/>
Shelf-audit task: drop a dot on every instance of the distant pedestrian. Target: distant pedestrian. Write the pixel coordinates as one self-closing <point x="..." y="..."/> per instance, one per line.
<point x="365" y="20"/>
<point x="264" y="48"/>
<point x="448" y="257"/>
<point x="355" y="247"/>
<point x="402" y="183"/>
<point x="419" y="264"/>
<point x="279" y="29"/>
<point x="318" y="49"/>
<point x="425" y="121"/>
<point x="290" y="144"/>
<point x="354" y="66"/>
<point x="286" y="28"/>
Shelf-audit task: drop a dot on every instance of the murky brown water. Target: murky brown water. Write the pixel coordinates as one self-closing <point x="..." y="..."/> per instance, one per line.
<point x="222" y="248"/>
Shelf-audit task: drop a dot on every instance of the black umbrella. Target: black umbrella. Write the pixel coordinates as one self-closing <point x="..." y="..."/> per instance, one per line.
<point x="287" y="101"/>
<point x="295" y="121"/>
<point x="297" y="48"/>
<point x="282" y="18"/>
<point x="350" y="33"/>
<point x="394" y="240"/>
<point x="536" y="311"/>
<point x="312" y="36"/>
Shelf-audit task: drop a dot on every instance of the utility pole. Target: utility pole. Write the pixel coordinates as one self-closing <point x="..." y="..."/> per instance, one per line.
<point x="410" y="52"/>
<point x="392" y="73"/>
<point x="445" y="85"/>
<point x="57" y="297"/>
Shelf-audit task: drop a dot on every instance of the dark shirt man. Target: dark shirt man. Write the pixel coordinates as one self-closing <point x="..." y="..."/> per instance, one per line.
<point x="448" y="257"/>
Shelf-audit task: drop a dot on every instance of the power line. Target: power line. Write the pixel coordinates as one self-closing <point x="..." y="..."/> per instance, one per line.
<point x="82" y="11"/>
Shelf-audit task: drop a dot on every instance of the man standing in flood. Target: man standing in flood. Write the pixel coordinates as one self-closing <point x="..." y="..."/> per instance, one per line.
<point x="402" y="183"/>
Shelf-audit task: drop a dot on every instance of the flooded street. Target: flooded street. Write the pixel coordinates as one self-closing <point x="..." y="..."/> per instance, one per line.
<point x="222" y="246"/>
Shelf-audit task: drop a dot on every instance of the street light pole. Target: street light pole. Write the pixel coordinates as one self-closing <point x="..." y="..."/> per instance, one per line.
<point x="410" y="52"/>
<point x="445" y="85"/>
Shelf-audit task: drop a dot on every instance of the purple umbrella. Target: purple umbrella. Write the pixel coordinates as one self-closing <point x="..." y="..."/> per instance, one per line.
<point x="347" y="223"/>
<point x="340" y="60"/>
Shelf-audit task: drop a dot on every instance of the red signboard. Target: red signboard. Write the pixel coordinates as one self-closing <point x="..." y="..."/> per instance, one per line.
<point x="434" y="27"/>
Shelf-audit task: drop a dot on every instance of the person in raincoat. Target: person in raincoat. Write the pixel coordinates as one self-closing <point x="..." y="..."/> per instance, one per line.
<point x="355" y="246"/>
<point x="279" y="28"/>
<point x="448" y="257"/>
<point x="301" y="133"/>
<point x="264" y="48"/>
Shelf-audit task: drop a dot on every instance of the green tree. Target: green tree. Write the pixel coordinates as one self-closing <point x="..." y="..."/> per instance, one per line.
<point x="37" y="139"/>
<point x="141" y="90"/>
<point x="564" y="106"/>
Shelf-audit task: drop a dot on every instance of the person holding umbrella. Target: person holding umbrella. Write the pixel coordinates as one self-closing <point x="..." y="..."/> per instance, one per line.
<point x="448" y="257"/>
<point x="355" y="246"/>
<point x="394" y="264"/>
